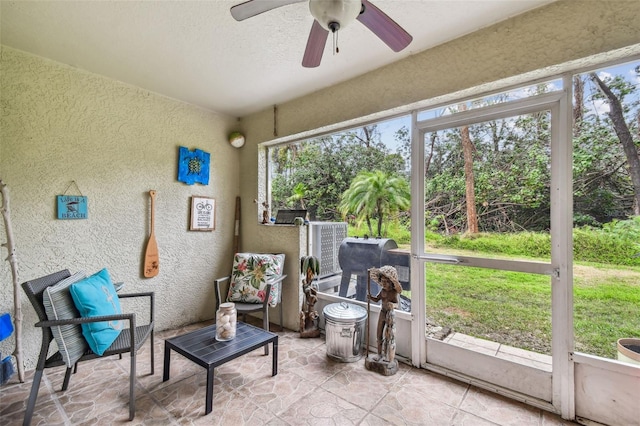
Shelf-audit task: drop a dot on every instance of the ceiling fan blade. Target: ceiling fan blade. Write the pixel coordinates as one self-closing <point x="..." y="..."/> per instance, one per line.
<point x="315" y="46"/>
<point x="252" y="8"/>
<point x="384" y="27"/>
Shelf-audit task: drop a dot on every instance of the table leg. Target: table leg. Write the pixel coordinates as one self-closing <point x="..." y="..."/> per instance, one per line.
<point x="167" y="362"/>
<point x="209" y="397"/>
<point x="274" y="360"/>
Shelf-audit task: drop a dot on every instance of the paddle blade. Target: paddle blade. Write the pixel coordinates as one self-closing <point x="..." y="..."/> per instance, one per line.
<point x="384" y="27"/>
<point x="251" y="8"/>
<point x="151" y="258"/>
<point x="315" y="46"/>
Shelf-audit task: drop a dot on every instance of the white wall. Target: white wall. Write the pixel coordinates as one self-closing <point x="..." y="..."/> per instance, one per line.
<point x="60" y="124"/>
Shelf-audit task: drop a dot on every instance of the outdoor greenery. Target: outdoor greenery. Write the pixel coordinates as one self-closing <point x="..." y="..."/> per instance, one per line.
<point x="488" y="193"/>
<point x="314" y="174"/>
<point x="375" y="194"/>
<point x="515" y="308"/>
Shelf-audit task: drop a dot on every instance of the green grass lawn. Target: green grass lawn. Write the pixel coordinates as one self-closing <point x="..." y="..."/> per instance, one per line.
<point x="514" y="308"/>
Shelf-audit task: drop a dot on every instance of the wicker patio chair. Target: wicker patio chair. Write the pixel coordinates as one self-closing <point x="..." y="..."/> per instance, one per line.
<point x="249" y="304"/>
<point x="129" y="340"/>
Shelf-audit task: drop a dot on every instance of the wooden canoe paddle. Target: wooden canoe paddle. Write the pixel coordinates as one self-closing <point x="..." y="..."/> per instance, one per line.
<point x="151" y="260"/>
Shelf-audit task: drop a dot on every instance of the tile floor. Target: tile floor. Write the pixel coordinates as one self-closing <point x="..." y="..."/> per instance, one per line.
<point x="310" y="389"/>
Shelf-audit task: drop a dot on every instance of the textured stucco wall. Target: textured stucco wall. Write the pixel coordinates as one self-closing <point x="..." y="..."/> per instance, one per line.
<point x="564" y="32"/>
<point x="561" y="36"/>
<point x="117" y="142"/>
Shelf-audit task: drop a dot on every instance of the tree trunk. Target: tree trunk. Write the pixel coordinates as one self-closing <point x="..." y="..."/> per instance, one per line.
<point x="467" y="150"/>
<point x="427" y="162"/>
<point x="380" y="218"/>
<point x="13" y="261"/>
<point x="624" y="135"/>
<point x="369" y="225"/>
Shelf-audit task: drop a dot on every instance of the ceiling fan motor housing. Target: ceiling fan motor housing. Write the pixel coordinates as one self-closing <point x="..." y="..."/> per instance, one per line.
<point x="330" y="12"/>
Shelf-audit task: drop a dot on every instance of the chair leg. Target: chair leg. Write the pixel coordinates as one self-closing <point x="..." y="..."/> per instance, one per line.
<point x="281" y="322"/>
<point x="265" y="325"/>
<point x="152" y="357"/>
<point x="67" y="376"/>
<point x="33" y="395"/>
<point x="132" y="385"/>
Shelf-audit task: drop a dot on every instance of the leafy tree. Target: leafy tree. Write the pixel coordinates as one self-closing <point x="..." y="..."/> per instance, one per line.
<point x="509" y="160"/>
<point x="313" y="174"/>
<point x="616" y="115"/>
<point x="375" y="195"/>
<point x="299" y="194"/>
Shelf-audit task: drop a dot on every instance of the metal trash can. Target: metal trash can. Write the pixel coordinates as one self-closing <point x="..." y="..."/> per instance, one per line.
<point x="345" y="331"/>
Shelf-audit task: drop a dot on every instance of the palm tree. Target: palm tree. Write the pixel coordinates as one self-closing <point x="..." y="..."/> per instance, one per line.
<point x="299" y="194"/>
<point x="375" y="194"/>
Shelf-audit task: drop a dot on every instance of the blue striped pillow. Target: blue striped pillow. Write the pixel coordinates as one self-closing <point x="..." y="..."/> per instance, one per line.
<point x="59" y="305"/>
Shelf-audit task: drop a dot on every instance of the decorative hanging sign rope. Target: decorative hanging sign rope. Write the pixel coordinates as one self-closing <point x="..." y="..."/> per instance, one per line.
<point x="72" y="206"/>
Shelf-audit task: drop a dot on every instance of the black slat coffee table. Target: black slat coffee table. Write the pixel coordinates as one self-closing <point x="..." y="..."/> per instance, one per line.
<point x="201" y="347"/>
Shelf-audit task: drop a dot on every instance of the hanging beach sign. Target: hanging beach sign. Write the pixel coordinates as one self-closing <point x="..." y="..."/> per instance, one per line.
<point x="72" y="206"/>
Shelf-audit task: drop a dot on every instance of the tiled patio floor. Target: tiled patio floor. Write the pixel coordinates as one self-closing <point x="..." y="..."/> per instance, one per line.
<point x="310" y="389"/>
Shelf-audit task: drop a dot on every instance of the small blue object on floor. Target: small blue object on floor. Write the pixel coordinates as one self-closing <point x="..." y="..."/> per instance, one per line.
<point x="6" y="326"/>
<point x="6" y="370"/>
<point x="6" y="366"/>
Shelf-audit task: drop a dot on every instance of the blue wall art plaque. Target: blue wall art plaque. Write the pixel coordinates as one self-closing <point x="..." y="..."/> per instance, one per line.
<point x="72" y="207"/>
<point x="193" y="166"/>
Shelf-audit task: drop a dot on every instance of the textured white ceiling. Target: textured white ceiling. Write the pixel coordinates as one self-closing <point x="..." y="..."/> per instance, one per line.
<point x="196" y="52"/>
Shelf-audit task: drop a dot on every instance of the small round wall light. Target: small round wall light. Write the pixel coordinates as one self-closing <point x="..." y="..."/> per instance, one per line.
<point x="236" y="139"/>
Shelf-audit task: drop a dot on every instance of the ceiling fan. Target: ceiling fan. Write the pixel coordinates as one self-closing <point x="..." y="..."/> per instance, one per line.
<point x="332" y="15"/>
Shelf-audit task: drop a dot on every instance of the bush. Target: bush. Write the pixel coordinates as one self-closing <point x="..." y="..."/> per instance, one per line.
<point x="617" y="242"/>
<point x="529" y="244"/>
<point x="594" y="245"/>
<point x="394" y="229"/>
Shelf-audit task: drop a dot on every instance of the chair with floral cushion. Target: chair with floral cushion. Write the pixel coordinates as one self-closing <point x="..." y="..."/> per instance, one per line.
<point x="255" y="284"/>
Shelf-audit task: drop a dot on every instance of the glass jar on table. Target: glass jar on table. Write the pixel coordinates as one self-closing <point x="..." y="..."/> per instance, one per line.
<point x="226" y="321"/>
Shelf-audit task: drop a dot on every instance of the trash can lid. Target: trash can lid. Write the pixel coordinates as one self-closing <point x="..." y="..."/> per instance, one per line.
<point x="344" y="311"/>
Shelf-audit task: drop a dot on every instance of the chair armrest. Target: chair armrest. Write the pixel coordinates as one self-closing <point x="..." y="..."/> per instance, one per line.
<point x="277" y="280"/>
<point x="130" y="318"/>
<point x="147" y="294"/>
<point x="150" y="295"/>
<point x="54" y="323"/>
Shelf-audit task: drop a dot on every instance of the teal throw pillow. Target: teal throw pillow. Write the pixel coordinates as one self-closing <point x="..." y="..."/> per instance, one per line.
<point x="95" y="296"/>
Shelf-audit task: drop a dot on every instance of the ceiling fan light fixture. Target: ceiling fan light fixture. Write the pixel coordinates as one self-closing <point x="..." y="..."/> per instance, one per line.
<point x="328" y="13"/>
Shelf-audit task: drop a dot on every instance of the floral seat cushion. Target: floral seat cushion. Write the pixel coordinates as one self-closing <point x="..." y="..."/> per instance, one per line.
<point x="249" y="277"/>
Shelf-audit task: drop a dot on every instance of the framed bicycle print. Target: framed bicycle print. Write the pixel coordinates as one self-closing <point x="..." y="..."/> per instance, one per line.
<point x="203" y="214"/>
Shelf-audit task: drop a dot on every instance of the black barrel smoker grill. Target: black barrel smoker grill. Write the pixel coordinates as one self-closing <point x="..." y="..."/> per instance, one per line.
<point x="356" y="255"/>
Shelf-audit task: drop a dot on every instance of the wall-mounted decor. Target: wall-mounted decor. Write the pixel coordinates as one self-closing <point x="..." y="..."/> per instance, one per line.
<point x="72" y="206"/>
<point x="193" y="166"/>
<point x="236" y="139"/>
<point x="203" y="214"/>
<point x="151" y="259"/>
